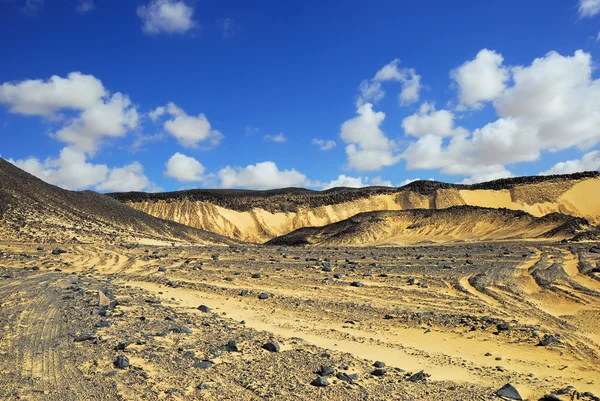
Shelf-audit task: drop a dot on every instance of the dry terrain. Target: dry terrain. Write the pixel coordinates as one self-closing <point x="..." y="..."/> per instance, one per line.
<point x="472" y="301"/>
<point x="472" y="317"/>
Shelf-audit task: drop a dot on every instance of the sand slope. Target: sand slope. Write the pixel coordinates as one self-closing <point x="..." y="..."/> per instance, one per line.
<point x="258" y="216"/>
<point x="458" y="223"/>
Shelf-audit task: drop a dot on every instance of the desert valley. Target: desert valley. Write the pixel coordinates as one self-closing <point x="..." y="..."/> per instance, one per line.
<point x="429" y="291"/>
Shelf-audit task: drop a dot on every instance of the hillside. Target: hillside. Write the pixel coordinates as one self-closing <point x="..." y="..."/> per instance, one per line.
<point x="33" y="210"/>
<point x="457" y="223"/>
<point x="258" y="216"/>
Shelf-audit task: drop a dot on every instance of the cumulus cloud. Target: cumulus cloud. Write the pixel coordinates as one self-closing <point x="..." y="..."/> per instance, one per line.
<point x="166" y="16"/>
<point x="265" y="175"/>
<point x="100" y="113"/>
<point x="552" y="104"/>
<point x="324" y="144"/>
<point x="190" y="131"/>
<point x="429" y="121"/>
<point x="184" y="168"/>
<point x="72" y="171"/>
<point x="124" y="179"/>
<point x="355" y="182"/>
<point x="45" y="98"/>
<point x="589" y="162"/>
<point x="480" y="80"/>
<point x="85" y="6"/>
<point x="279" y="138"/>
<point x="368" y="148"/>
<point x="371" y="90"/>
<point x="589" y="8"/>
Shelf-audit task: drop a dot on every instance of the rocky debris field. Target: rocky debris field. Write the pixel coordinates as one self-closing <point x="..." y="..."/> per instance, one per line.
<point x="462" y="322"/>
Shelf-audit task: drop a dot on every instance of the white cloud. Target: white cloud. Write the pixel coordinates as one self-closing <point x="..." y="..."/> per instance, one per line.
<point x="265" y="175"/>
<point x="408" y="181"/>
<point x="354" y="182"/>
<point x="184" y="168"/>
<point x="379" y="182"/>
<point x="166" y="16"/>
<point x="371" y="91"/>
<point x="431" y="121"/>
<point x="101" y="114"/>
<point x="324" y="144"/>
<point x="124" y="179"/>
<point x="279" y="138"/>
<point x="72" y="171"/>
<point x="157" y="113"/>
<point x="345" y="181"/>
<point x="113" y="117"/>
<point x="86" y="6"/>
<point x="553" y="104"/>
<point x="598" y="37"/>
<point x="589" y="8"/>
<point x="368" y="148"/>
<point x="481" y="79"/>
<point x="228" y="27"/>
<point x="190" y="131"/>
<point x="589" y="162"/>
<point x="45" y="98"/>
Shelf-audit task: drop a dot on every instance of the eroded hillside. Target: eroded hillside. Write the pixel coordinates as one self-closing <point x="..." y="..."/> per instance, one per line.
<point x="259" y="216"/>
<point x="457" y="223"/>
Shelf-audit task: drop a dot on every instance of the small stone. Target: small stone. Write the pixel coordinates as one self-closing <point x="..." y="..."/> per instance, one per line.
<point x="203" y="386"/>
<point x="243" y="293"/>
<point x="320" y="381"/>
<point x="338" y="275"/>
<point x="256" y="275"/>
<point x="204" y="308"/>
<point x="162" y="269"/>
<point x="325" y="371"/>
<point x="510" y="392"/>
<point x="348" y="378"/>
<point x="547" y="340"/>
<point x="378" y="372"/>
<point x="181" y="330"/>
<point x="122" y="362"/>
<point x="85" y="337"/>
<point x="356" y="284"/>
<point x="264" y="295"/>
<point x="203" y="364"/>
<point x="231" y="346"/>
<point x="271" y="346"/>
<point x="379" y="364"/>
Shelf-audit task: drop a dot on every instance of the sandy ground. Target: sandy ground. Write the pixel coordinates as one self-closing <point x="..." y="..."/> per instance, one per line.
<point x="470" y="316"/>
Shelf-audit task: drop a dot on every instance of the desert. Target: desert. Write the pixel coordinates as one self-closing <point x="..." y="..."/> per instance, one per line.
<point x="123" y="305"/>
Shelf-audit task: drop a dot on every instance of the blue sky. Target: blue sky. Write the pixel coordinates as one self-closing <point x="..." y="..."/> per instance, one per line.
<point x="170" y="94"/>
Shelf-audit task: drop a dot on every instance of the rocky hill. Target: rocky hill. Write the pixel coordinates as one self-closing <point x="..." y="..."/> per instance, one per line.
<point x="33" y="210"/>
<point x="258" y="216"/>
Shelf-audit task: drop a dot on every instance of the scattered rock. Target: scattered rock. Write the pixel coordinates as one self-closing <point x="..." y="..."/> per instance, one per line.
<point x="204" y="308"/>
<point x="231" y="346"/>
<point x="508" y="391"/>
<point x="203" y="364"/>
<point x="85" y="337"/>
<point x="378" y="372"/>
<point x="348" y="378"/>
<point x="59" y="251"/>
<point x="547" y="340"/>
<point x="264" y="295"/>
<point x="181" y="330"/>
<point x="122" y="362"/>
<point x="243" y="293"/>
<point x="103" y="300"/>
<point x="325" y="371"/>
<point x="356" y="284"/>
<point x="379" y="364"/>
<point x="256" y="275"/>
<point x="418" y="377"/>
<point x="320" y="381"/>
<point x="271" y="346"/>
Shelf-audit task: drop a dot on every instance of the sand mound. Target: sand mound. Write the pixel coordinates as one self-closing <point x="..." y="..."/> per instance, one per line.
<point x="32" y="210"/>
<point x="258" y="216"/>
<point x="458" y="223"/>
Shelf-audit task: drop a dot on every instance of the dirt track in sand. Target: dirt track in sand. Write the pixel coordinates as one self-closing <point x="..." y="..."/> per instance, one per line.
<point x="440" y="320"/>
